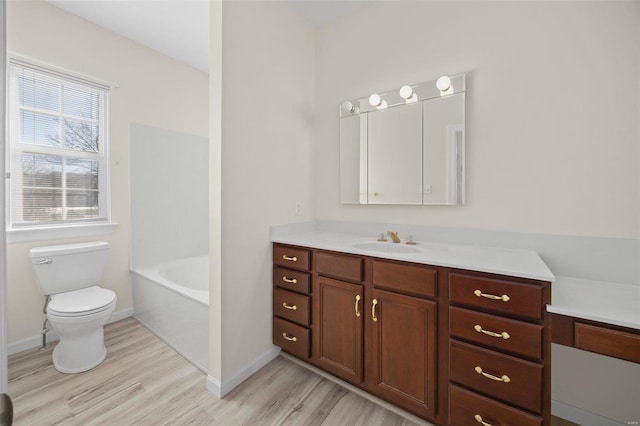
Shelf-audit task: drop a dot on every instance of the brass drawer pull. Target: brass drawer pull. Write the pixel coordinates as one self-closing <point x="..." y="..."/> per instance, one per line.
<point x="290" y="258"/>
<point x="373" y="310"/>
<point x="504" y="335"/>
<point x="289" y="280"/>
<point x="357" y="302"/>
<point x="504" y="378"/>
<point x="478" y="418"/>
<point x="504" y="297"/>
<point x="290" y="307"/>
<point x="291" y="339"/>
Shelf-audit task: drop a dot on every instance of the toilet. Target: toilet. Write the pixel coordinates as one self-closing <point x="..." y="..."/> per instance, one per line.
<point x="78" y="308"/>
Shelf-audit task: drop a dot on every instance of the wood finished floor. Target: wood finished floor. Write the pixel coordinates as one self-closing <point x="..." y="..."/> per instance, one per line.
<point x="145" y="382"/>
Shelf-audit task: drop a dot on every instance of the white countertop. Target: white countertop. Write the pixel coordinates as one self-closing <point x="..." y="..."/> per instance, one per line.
<point x="511" y="262"/>
<point x="611" y="303"/>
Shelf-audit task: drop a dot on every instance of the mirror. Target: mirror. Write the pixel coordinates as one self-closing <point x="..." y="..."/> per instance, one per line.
<point x="404" y="147"/>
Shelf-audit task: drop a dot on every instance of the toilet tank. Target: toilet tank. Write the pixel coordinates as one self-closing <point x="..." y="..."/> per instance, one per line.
<point x="68" y="267"/>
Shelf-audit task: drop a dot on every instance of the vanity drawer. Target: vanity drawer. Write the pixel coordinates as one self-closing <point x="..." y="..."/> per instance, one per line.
<point x="415" y="280"/>
<point x="291" y="338"/>
<point x="513" y="336"/>
<point x="339" y="266"/>
<point x="292" y="257"/>
<point x="508" y="297"/>
<point x="292" y="306"/>
<point x="292" y="280"/>
<point x="467" y="408"/>
<point x="605" y="341"/>
<point x="505" y="377"/>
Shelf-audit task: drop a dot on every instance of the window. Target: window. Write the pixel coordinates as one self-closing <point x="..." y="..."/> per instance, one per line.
<point x="58" y="161"/>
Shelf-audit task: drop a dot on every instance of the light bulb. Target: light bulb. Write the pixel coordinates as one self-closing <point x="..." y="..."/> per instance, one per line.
<point x="348" y="106"/>
<point x="443" y="83"/>
<point x="375" y="100"/>
<point x="406" y="92"/>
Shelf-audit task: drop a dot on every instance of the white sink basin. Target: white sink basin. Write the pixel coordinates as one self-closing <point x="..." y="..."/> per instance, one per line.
<point x="387" y="247"/>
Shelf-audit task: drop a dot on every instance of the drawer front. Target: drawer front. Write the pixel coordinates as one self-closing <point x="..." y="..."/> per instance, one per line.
<point x="291" y="338"/>
<point x="291" y="280"/>
<point x="292" y="257"/>
<point x="470" y="409"/>
<point x="517" y="299"/>
<point x="497" y="332"/>
<point x="292" y="306"/>
<point x="415" y="280"/>
<point x="618" y="344"/>
<point x="338" y="266"/>
<point x="505" y="377"/>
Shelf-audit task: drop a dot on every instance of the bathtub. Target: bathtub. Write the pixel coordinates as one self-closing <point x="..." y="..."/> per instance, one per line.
<point x="172" y="300"/>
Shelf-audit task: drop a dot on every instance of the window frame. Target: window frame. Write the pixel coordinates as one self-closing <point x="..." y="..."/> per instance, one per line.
<point x="63" y="78"/>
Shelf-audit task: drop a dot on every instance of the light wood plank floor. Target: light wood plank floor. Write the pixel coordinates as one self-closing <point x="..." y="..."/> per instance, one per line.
<point x="145" y="382"/>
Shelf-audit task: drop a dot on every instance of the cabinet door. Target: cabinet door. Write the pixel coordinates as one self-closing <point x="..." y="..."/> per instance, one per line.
<point x="404" y="357"/>
<point x="337" y="330"/>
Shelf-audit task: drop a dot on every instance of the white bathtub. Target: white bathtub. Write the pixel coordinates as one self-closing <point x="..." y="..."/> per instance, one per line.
<point x="172" y="300"/>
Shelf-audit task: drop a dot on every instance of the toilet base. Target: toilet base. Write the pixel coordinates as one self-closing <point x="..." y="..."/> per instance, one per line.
<point x="76" y="369"/>
<point x="81" y="346"/>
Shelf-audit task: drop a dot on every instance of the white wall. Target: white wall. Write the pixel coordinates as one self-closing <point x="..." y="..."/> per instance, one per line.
<point x="153" y="90"/>
<point x="169" y="177"/>
<point x="267" y="135"/>
<point x="552" y="108"/>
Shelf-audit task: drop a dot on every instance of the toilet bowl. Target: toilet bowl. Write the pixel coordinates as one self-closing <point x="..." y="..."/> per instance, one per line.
<point x="78" y="317"/>
<point x="77" y="308"/>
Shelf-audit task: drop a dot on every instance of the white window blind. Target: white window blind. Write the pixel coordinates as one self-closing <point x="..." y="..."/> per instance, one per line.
<point x="58" y="162"/>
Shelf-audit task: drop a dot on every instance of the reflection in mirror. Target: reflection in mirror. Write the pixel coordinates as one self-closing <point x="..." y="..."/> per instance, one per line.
<point x="405" y="147"/>
<point x="353" y="160"/>
<point x="395" y="169"/>
<point x="442" y="150"/>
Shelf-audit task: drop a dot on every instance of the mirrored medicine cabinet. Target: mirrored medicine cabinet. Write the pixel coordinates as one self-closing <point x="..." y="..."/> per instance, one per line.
<point x="405" y="146"/>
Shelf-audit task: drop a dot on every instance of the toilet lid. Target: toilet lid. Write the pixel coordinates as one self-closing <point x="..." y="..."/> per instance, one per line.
<point x="81" y="302"/>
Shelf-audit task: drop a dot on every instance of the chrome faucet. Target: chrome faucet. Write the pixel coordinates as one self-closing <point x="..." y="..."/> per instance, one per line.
<point x="394" y="236"/>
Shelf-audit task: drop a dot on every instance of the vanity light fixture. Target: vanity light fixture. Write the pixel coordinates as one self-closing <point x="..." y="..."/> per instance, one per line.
<point x="377" y="101"/>
<point x="444" y="85"/>
<point x="348" y="106"/>
<point x="407" y="93"/>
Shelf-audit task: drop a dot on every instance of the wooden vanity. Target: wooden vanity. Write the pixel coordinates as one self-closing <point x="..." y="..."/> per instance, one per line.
<point x="453" y="346"/>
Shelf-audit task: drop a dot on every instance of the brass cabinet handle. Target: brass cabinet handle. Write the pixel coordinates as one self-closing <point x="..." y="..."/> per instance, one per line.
<point x="504" y="297"/>
<point x="290" y="307"/>
<point x="357" y="302"/>
<point x="373" y="310"/>
<point x="291" y="339"/>
<point x="290" y="258"/>
<point x="504" y="378"/>
<point x="289" y="280"/>
<point x="504" y="335"/>
<point x="478" y="418"/>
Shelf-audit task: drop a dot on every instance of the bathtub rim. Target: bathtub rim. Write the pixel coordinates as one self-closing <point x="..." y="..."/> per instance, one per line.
<point x="151" y="274"/>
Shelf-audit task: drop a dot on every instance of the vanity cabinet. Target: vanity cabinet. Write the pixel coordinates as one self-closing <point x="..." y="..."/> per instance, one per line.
<point x="498" y="351"/>
<point x="292" y="300"/>
<point x="451" y="346"/>
<point x="404" y="351"/>
<point x="338" y="322"/>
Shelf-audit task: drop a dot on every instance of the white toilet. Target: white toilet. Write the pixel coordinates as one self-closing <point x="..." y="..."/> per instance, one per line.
<point x="78" y="308"/>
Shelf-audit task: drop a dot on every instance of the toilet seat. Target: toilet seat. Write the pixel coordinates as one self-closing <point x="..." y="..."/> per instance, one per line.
<point x="81" y="302"/>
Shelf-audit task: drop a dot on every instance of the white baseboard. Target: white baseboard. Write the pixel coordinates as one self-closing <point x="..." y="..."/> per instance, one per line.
<point x="580" y="416"/>
<point x="220" y="389"/>
<point x="36" y="340"/>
